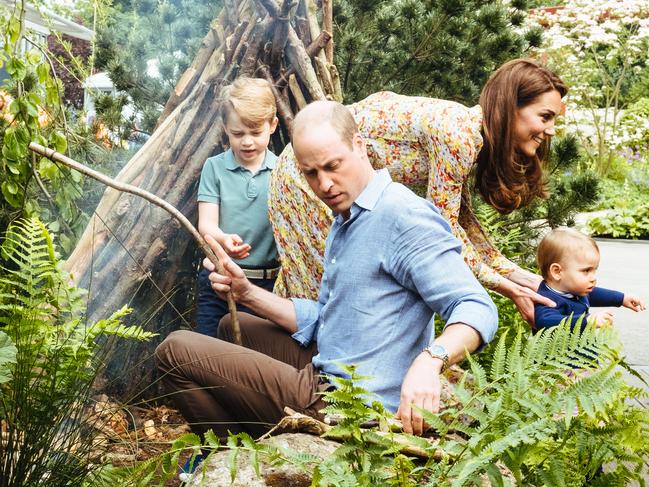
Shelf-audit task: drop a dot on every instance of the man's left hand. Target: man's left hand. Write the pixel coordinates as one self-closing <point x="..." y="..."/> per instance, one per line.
<point x="421" y="389"/>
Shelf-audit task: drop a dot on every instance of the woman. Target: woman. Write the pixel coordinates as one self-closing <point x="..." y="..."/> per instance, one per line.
<point x="438" y="143"/>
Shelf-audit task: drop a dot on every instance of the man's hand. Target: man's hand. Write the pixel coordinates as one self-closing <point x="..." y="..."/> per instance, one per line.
<point x="421" y="388"/>
<point x="234" y="246"/>
<point x="633" y="302"/>
<point x="601" y="318"/>
<point x="234" y="279"/>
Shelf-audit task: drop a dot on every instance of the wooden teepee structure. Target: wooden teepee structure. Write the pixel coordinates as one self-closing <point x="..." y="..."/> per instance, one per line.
<point x="132" y="252"/>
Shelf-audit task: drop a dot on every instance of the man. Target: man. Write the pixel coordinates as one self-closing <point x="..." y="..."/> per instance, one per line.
<point x="391" y="262"/>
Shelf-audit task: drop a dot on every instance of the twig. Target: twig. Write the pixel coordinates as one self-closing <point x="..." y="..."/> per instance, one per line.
<point x="128" y="188"/>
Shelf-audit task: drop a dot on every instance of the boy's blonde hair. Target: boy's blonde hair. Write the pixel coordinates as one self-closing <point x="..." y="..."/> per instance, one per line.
<point x="557" y="244"/>
<point x="251" y="99"/>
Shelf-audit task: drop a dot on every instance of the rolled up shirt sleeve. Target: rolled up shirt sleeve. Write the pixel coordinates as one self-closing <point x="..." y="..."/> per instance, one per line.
<point x="307" y="313"/>
<point x="429" y="262"/>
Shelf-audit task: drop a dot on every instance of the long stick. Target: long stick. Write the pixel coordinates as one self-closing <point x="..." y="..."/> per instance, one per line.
<point x="128" y="188"/>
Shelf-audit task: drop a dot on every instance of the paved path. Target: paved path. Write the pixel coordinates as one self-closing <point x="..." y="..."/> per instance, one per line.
<point x="624" y="266"/>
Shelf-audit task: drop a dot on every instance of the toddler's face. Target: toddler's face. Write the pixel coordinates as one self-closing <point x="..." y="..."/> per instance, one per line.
<point x="248" y="144"/>
<point x="577" y="274"/>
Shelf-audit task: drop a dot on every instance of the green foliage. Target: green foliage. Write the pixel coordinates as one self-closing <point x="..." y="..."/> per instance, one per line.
<point x="140" y="34"/>
<point x="551" y="407"/>
<point x="441" y="49"/>
<point x="624" y="223"/>
<point x="548" y="410"/>
<point x="49" y="358"/>
<point x="32" y="111"/>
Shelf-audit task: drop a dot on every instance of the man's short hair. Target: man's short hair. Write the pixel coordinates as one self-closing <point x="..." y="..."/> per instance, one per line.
<point x="560" y="244"/>
<point x="335" y="114"/>
<point x="251" y="99"/>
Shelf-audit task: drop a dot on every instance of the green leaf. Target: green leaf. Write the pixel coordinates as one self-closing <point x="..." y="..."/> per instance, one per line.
<point x="12" y="198"/>
<point x="34" y="57"/>
<point x="16" y="69"/>
<point x="8" y="353"/>
<point x="10" y="186"/>
<point x="14" y="29"/>
<point x="58" y="141"/>
<point x="43" y="72"/>
<point x="47" y="169"/>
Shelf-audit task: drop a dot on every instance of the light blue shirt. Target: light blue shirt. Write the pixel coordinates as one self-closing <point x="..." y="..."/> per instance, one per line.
<point x="243" y="203"/>
<point x="388" y="269"/>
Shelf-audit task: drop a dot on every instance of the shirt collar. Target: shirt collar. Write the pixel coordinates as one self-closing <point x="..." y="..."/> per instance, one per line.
<point x="561" y="293"/>
<point x="372" y="192"/>
<point x="369" y="197"/>
<point x="232" y="164"/>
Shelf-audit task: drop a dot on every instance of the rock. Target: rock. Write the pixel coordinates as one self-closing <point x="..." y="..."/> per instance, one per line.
<point x="217" y="470"/>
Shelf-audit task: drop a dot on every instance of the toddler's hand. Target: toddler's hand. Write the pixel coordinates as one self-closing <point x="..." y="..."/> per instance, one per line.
<point x="633" y="302"/>
<point x="601" y="318"/>
<point x="234" y="246"/>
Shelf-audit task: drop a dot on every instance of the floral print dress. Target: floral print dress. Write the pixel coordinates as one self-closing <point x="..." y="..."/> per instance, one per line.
<point x="421" y="141"/>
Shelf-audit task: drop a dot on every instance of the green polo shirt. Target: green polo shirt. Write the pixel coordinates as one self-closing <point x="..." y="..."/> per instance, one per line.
<point x="243" y="203"/>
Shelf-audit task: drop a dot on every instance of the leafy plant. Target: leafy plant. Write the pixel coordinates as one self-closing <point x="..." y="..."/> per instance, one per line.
<point x="625" y="223"/>
<point x="49" y="359"/>
<point x="549" y="410"/>
<point x="31" y="110"/>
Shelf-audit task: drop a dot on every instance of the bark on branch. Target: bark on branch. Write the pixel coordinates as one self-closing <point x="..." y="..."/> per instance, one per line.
<point x="128" y="188"/>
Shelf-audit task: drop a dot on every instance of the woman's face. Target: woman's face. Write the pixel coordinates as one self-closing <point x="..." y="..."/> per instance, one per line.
<point x="535" y="122"/>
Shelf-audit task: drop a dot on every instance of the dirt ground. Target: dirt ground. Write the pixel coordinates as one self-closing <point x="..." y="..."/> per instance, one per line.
<point x="133" y="434"/>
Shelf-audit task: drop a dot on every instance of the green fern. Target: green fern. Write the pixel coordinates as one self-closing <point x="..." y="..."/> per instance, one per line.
<point x="47" y="381"/>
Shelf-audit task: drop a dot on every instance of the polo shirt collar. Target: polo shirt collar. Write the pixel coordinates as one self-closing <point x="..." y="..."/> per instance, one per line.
<point x="232" y="164"/>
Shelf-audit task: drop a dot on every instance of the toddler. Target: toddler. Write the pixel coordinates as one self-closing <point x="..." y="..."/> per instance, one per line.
<point x="568" y="261"/>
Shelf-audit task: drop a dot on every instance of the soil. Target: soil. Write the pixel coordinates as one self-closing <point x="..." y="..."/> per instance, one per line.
<point x="132" y="434"/>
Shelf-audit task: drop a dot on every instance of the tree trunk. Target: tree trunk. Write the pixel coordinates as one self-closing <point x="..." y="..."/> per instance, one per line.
<point x="132" y="252"/>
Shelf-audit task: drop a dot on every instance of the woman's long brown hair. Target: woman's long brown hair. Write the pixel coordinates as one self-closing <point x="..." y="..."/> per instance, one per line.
<point x="507" y="179"/>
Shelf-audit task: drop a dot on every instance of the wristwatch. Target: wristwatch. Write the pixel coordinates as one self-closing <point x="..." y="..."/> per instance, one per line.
<point x="438" y="351"/>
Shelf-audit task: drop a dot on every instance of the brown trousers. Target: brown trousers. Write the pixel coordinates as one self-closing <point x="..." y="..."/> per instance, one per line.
<point x="230" y="388"/>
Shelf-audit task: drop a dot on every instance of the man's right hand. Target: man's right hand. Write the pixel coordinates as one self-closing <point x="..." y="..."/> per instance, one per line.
<point x="234" y="246"/>
<point x="233" y="280"/>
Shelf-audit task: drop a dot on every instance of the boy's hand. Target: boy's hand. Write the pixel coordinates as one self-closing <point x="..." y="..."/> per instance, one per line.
<point x="234" y="246"/>
<point x="601" y="318"/>
<point x="633" y="302"/>
<point x="233" y="280"/>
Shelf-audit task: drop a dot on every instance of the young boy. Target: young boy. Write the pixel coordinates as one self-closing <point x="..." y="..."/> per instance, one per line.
<point x="568" y="260"/>
<point x="233" y="194"/>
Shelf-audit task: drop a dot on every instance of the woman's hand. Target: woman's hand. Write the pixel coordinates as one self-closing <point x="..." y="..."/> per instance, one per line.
<point x="523" y="297"/>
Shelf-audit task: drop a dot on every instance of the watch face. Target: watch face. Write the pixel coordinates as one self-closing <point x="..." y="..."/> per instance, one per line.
<point x="438" y="350"/>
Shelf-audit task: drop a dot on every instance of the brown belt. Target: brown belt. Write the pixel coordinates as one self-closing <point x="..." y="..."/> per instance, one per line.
<point x="261" y="273"/>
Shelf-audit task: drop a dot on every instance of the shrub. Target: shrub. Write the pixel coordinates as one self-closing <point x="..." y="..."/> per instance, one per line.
<point x="627" y="223"/>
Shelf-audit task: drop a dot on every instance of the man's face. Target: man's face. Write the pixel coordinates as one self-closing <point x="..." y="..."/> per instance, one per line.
<point x="336" y="173"/>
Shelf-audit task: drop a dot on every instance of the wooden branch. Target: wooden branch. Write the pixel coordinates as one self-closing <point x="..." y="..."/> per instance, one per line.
<point x="324" y="76"/>
<point x="233" y="42"/>
<point x="127" y="188"/>
<point x="280" y="35"/>
<point x="296" y="55"/>
<point x="327" y="25"/>
<point x="283" y="106"/>
<point x="301" y="422"/>
<point x="296" y="91"/>
<point x="312" y="50"/>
